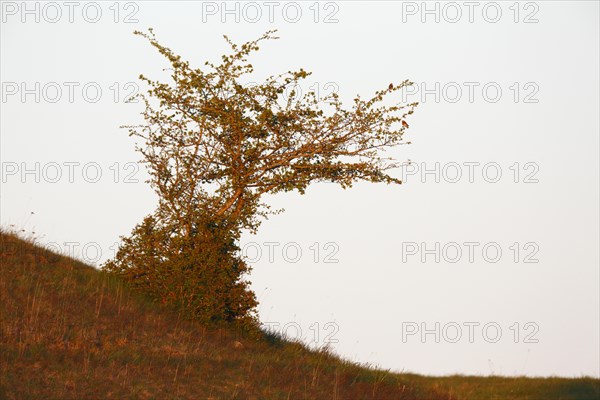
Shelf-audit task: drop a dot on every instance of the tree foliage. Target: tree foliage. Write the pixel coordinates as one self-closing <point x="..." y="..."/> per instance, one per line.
<point x="214" y="145"/>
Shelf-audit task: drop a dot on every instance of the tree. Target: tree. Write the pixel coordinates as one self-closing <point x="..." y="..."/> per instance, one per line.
<point x="214" y="145"/>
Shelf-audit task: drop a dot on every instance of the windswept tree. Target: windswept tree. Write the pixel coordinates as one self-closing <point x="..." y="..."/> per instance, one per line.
<point x="214" y="143"/>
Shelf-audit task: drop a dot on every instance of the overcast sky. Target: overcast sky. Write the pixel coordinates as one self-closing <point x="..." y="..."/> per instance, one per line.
<point x="485" y="261"/>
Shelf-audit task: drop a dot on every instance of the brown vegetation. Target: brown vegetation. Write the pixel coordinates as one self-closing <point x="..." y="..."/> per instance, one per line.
<point x="70" y="331"/>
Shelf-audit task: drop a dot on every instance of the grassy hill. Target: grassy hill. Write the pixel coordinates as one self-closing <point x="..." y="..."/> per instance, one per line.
<point x="69" y="331"/>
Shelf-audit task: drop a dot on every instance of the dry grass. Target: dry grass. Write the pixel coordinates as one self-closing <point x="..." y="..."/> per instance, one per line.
<point x="69" y="331"/>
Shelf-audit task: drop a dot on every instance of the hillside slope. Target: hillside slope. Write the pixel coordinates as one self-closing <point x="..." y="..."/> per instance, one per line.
<point x="68" y="331"/>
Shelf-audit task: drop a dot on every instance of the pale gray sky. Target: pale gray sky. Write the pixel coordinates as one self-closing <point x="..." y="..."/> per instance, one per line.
<point x="505" y="88"/>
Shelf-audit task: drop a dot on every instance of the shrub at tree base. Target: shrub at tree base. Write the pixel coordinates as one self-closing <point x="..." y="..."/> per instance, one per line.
<point x="201" y="274"/>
